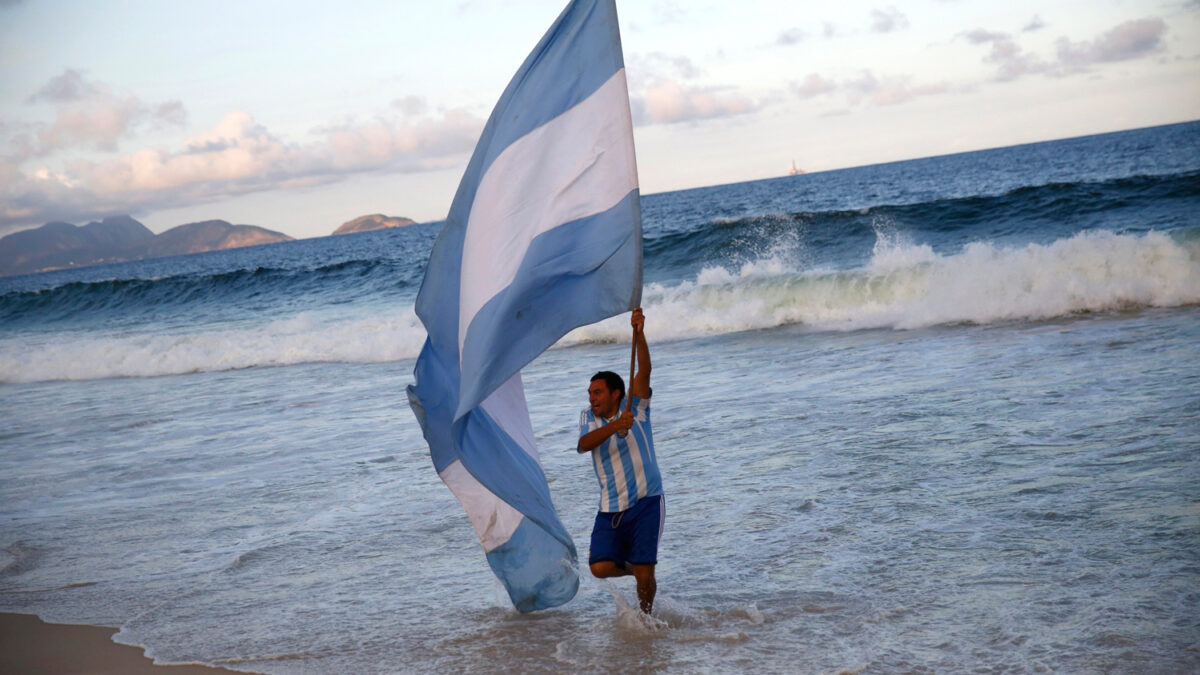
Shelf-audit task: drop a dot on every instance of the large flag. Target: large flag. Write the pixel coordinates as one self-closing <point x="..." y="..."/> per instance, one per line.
<point x="544" y="235"/>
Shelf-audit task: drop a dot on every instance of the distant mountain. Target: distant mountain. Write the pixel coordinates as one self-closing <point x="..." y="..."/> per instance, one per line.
<point x="210" y="235"/>
<point x="117" y="239"/>
<point x="375" y="221"/>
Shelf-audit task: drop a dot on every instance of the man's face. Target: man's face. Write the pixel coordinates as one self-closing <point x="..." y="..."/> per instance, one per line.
<point x="604" y="401"/>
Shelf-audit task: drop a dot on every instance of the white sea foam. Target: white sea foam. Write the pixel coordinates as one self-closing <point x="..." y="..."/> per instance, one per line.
<point x="904" y="286"/>
<point x="305" y="338"/>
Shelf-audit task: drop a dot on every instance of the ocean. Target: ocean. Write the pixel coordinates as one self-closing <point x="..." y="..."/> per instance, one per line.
<point x="940" y="415"/>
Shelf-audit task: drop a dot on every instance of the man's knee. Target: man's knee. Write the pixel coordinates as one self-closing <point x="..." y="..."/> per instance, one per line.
<point x="606" y="568"/>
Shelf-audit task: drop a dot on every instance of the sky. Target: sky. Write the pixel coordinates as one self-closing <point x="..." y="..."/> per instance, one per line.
<point x="298" y="116"/>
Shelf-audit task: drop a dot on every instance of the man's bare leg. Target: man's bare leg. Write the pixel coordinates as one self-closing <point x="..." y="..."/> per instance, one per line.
<point x="646" y="586"/>
<point x="607" y="568"/>
<point x="644" y="574"/>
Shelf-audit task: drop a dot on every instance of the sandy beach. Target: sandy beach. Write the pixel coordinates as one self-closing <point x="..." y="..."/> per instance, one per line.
<point x="30" y="645"/>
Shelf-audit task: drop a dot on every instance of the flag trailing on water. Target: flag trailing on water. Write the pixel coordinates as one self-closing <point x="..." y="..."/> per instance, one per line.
<point x="544" y="235"/>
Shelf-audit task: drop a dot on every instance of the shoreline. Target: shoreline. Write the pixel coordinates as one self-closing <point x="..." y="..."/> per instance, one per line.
<point x="30" y="645"/>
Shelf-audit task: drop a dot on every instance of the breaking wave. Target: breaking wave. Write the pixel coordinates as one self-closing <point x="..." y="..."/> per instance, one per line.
<point x="904" y="286"/>
<point x="907" y="286"/>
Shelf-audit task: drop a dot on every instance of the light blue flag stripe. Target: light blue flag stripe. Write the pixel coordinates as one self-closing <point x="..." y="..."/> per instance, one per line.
<point x="571" y="273"/>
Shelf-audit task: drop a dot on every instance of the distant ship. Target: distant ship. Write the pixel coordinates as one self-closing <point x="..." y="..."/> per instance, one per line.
<point x="794" y="171"/>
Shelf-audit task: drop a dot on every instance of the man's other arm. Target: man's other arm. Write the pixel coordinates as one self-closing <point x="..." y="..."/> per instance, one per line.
<point x="594" y="438"/>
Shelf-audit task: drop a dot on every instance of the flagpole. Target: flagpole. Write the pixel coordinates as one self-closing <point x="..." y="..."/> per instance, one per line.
<point x="632" y="363"/>
<point x="629" y="389"/>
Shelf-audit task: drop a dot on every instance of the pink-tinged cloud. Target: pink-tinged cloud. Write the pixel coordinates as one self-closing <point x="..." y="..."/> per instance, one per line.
<point x="669" y="102"/>
<point x="891" y="90"/>
<point x="91" y="115"/>
<point x="867" y="89"/>
<point x="813" y="85"/>
<point x="97" y="123"/>
<point x="237" y="156"/>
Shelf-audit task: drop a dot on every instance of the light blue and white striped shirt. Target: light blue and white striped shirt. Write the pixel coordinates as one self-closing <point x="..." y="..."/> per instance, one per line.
<point x="626" y="467"/>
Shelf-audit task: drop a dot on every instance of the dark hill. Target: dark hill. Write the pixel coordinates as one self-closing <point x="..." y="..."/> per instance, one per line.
<point x="56" y="245"/>
<point x="120" y="238"/>
<point x="209" y="235"/>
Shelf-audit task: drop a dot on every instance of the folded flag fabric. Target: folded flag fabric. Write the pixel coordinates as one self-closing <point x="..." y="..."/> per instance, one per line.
<point x="544" y="235"/>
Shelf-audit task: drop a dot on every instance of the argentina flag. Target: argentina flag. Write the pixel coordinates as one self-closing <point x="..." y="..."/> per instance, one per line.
<point x="544" y="235"/>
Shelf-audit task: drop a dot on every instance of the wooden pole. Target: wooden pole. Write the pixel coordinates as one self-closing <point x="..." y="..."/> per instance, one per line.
<point x="632" y="364"/>
<point x="629" y="385"/>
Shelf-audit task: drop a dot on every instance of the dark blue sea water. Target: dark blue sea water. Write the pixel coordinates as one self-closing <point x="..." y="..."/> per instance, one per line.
<point x="934" y="415"/>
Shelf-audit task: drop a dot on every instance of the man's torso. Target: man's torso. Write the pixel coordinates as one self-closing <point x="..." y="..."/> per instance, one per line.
<point x="625" y="467"/>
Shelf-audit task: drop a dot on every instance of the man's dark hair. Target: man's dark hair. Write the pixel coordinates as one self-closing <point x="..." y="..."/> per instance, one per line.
<point x="612" y="380"/>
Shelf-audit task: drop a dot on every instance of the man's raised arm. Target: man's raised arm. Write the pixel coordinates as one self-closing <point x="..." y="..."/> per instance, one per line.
<point x="640" y="386"/>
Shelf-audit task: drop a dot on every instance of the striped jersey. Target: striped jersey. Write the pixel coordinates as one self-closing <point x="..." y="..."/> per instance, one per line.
<point x="626" y="467"/>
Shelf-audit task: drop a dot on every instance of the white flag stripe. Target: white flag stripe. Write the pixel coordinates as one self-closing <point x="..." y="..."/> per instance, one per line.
<point x="604" y="501"/>
<point x="493" y="519"/>
<point x="614" y="460"/>
<point x="507" y="407"/>
<point x="545" y="179"/>
<point x="635" y="456"/>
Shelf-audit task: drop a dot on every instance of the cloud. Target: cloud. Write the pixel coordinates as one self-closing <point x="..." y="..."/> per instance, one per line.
<point x="1034" y="24"/>
<point x="1010" y="60"/>
<point x="68" y="87"/>
<point x="790" y="37"/>
<point x="867" y="89"/>
<point x="891" y="90"/>
<point x="91" y="114"/>
<point x="650" y="68"/>
<point x="668" y="102"/>
<point x="661" y="93"/>
<point x="411" y="106"/>
<point x="236" y="156"/>
<point x="171" y="112"/>
<point x="981" y="36"/>
<point x="888" y="20"/>
<point x="813" y="85"/>
<point x="1126" y="41"/>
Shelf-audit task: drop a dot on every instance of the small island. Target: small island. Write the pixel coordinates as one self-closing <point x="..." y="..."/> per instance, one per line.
<point x="375" y="221"/>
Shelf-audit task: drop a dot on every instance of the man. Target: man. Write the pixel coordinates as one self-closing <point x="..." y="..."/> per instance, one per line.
<point x="632" y="508"/>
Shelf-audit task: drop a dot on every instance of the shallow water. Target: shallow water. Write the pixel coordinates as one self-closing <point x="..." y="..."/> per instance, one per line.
<point x="1015" y="496"/>
<point x="935" y="416"/>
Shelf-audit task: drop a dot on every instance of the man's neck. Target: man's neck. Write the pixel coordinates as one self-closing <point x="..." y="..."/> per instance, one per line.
<point x="616" y="412"/>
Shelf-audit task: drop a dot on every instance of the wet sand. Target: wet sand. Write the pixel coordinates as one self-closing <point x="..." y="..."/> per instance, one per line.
<point x="30" y="645"/>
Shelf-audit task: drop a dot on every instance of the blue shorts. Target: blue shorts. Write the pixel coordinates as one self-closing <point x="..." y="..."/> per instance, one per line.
<point x="629" y="536"/>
